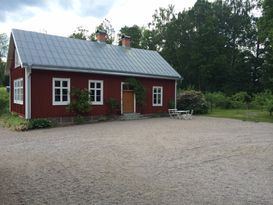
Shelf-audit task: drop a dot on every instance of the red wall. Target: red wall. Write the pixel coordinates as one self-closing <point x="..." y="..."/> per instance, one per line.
<point x="16" y="73"/>
<point x="41" y="92"/>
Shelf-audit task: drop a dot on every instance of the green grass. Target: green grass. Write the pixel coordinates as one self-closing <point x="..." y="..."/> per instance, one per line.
<point x="14" y="122"/>
<point x="242" y="114"/>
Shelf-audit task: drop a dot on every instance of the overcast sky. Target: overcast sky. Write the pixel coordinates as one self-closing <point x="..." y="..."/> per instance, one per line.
<point x="62" y="17"/>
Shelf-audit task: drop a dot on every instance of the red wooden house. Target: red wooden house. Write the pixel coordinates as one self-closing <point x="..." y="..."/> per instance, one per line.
<point x="43" y="68"/>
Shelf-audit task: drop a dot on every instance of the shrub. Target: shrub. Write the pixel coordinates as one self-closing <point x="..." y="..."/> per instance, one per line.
<point x="79" y="101"/>
<point x="218" y="99"/>
<point x="192" y="100"/>
<point x="4" y="100"/>
<point x="240" y="100"/>
<point x="171" y="104"/>
<point x="139" y="90"/>
<point x="14" y="122"/>
<point x="39" y="123"/>
<point x="262" y="100"/>
<point x="113" y="105"/>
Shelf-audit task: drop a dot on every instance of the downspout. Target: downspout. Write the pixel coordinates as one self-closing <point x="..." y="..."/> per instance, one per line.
<point x="28" y="92"/>
<point x="175" y="94"/>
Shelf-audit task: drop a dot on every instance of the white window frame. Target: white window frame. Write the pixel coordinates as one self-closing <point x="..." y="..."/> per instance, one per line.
<point x="95" y="102"/>
<point x="161" y="98"/>
<point x="16" y="59"/>
<point x="61" y="102"/>
<point x="17" y="97"/>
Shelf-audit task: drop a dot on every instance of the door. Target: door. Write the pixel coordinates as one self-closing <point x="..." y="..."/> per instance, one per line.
<point x="128" y="101"/>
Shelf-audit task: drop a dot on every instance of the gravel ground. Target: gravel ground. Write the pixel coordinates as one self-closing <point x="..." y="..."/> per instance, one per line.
<point x="151" y="161"/>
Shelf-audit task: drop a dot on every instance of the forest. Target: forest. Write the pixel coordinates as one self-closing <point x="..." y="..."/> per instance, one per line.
<point x="216" y="46"/>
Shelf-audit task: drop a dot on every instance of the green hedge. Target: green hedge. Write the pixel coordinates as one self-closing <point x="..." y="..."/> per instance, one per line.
<point x="192" y="100"/>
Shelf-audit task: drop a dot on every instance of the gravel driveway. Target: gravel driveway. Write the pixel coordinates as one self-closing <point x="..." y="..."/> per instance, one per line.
<point x="151" y="161"/>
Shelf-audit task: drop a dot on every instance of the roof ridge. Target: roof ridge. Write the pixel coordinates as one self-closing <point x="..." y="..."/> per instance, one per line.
<point x="82" y="40"/>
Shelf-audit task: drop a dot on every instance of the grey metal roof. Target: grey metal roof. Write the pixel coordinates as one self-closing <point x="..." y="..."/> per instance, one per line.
<point x="54" y="52"/>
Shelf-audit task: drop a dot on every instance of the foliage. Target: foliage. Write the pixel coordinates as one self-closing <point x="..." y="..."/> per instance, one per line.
<point x="139" y="90"/>
<point x="14" y="122"/>
<point x="192" y="100"/>
<point x="240" y="100"/>
<point x="113" y="105"/>
<point x="171" y="104"/>
<point x="264" y="101"/>
<point x="3" y="45"/>
<point x="218" y="99"/>
<point x="135" y="32"/>
<point x="106" y="26"/>
<point x="79" y="102"/>
<point x="4" y="100"/>
<point x="242" y="114"/>
<point x="39" y="123"/>
<point x="3" y="77"/>
<point x="80" y="33"/>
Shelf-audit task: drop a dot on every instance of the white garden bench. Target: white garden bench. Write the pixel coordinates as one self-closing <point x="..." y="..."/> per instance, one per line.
<point x="180" y="114"/>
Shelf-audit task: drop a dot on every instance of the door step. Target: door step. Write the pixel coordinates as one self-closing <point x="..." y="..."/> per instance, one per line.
<point x="131" y="116"/>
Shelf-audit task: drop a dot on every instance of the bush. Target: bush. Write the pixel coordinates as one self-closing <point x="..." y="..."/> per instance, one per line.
<point x="39" y="123"/>
<point x="218" y="99"/>
<point x="262" y="100"/>
<point x="113" y="105"/>
<point x="192" y="100"/>
<point x="139" y="90"/>
<point x="79" y="101"/>
<point x="4" y="100"/>
<point x="171" y="104"/>
<point x="240" y="100"/>
<point x="14" y="122"/>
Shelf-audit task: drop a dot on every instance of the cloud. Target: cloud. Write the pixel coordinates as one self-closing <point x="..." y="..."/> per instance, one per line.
<point x="84" y="8"/>
<point x="97" y="8"/>
<point x="9" y="7"/>
<point x="94" y="8"/>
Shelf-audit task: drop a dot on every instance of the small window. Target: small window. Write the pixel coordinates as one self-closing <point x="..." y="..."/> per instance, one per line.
<point x="16" y="60"/>
<point x="96" y="91"/>
<point x="18" y="91"/>
<point x="157" y="96"/>
<point x="61" y="91"/>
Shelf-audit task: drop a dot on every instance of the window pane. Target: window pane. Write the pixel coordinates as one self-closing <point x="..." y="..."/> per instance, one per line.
<point x="65" y="84"/>
<point x="92" y="98"/>
<point x="98" y="92"/>
<point x="57" y="98"/>
<point x="65" y="91"/>
<point x="92" y="85"/>
<point x="92" y="92"/>
<point x="98" y="98"/>
<point x="65" y="99"/>
<point x="154" y="91"/>
<point x="98" y="85"/>
<point x="57" y="91"/>
<point x="57" y="83"/>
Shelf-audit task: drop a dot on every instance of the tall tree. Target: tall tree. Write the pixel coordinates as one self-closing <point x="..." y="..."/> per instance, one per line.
<point x="265" y="26"/>
<point x="135" y="32"/>
<point x="79" y="33"/>
<point x="108" y="27"/>
<point x="3" y="54"/>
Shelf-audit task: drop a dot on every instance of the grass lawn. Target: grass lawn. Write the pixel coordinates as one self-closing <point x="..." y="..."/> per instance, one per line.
<point x="242" y="114"/>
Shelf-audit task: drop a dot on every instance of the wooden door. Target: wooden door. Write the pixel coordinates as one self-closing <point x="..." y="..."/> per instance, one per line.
<point x="128" y="101"/>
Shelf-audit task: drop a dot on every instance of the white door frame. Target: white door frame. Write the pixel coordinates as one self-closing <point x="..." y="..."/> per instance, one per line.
<point x="121" y="98"/>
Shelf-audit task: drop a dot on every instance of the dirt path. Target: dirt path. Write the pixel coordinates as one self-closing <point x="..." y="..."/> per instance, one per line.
<point x="153" y="161"/>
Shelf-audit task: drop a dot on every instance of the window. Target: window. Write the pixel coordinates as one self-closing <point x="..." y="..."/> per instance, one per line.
<point x="16" y="60"/>
<point x="61" y="91"/>
<point x="96" y="92"/>
<point x="18" y="91"/>
<point x="157" y="95"/>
